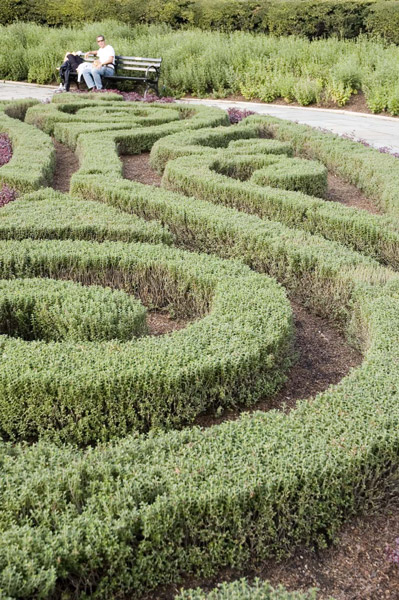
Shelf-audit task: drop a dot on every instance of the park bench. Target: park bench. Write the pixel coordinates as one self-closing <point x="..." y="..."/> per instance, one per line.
<point x="140" y="70"/>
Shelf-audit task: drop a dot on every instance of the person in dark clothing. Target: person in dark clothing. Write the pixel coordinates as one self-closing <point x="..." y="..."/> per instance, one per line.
<point x="70" y="65"/>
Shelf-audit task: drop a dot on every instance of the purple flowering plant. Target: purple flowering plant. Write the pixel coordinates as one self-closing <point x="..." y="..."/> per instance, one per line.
<point x="5" y="149"/>
<point x="7" y="194"/>
<point x="236" y="115"/>
<point x="393" y="553"/>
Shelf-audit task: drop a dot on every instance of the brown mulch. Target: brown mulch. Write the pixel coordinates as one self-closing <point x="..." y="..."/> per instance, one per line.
<point x="348" y="194"/>
<point x="136" y="167"/>
<point x="323" y="359"/>
<point x="66" y="165"/>
<point x="356" y="567"/>
<point x="160" y="323"/>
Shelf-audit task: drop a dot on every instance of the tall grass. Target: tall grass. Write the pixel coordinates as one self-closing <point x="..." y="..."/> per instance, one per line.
<point x="213" y="63"/>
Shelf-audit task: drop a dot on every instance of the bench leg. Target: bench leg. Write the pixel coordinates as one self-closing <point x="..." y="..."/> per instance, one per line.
<point x="151" y="85"/>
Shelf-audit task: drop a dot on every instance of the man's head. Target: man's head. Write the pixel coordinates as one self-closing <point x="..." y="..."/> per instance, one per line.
<point x="101" y="41"/>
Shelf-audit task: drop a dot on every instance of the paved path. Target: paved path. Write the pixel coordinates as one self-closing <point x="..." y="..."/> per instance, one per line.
<point x="376" y="130"/>
<point x="17" y="91"/>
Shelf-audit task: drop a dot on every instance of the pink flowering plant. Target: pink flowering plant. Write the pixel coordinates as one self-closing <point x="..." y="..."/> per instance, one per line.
<point x="7" y="194"/>
<point x="5" y="149"/>
<point x="393" y="553"/>
<point x="236" y="115"/>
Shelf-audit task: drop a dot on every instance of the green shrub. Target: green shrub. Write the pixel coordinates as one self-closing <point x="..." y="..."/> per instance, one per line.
<point x="33" y="160"/>
<point x="309" y="177"/>
<point x="383" y="20"/>
<point x="307" y="92"/>
<point x="214" y="63"/>
<point x="47" y="214"/>
<point x="87" y="392"/>
<point x="242" y="590"/>
<point x="95" y="521"/>
<point x="48" y="310"/>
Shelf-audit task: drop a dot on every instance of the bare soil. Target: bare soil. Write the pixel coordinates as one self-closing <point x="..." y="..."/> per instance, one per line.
<point x="348" y="194"/>
<point x="136" y="167"/>
<point x="160" y="323"/>
<point x="66" y="165"/>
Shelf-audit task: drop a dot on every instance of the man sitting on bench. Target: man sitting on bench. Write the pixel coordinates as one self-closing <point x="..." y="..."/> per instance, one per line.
<point x="105" y="65"/>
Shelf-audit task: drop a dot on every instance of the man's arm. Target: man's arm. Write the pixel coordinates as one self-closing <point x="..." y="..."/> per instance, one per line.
<point x="108" y="61"/>
<point x="87" y="54"/>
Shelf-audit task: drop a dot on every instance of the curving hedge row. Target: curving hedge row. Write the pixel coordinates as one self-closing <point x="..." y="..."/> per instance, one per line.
<point x="55" y="311"/>
<point x="373" y="172"/>
<point x="87" y="392"/>
<point x="33" y="160"/>
<point x="123" y="517"/>
<point x="63" y="119"/>
<point x="209" y="176"/>
<point x="47" y="214"/>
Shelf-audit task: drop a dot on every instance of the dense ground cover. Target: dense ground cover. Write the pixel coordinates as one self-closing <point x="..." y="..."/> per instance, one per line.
<point x="311" y="18"/>
<point x="203" y="63"/>
<point x="120" y="517"/>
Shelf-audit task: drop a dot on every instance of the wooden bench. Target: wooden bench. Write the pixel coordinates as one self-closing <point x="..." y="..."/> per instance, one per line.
<point x="145" y="71"/>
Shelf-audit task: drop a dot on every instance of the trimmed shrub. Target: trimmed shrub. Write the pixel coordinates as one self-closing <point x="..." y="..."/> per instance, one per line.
<point x="243" y="590"/>
<point x="33" y="159"/>
<point x="55" y="311"/>
<point x="87" y="392"/>
<point x="95" y="521"/>
<point x="307" y="176"/>
<point x="47" y="214"/>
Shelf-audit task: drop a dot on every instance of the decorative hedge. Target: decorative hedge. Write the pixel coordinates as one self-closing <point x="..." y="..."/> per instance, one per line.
<point x="33" y="159"/>
<point x="63" y="118"/>
<point x="209" y="176"/>
<point x="87" y="392"/>
<point x="243" y="590"/>
<point x="47" y="214"/>
<point x="55" y="311"/>
<point x="122" y="517"/>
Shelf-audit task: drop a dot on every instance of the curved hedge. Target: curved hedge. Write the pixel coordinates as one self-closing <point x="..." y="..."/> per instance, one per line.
<point x="123" y="517"/>
<point x="209" y="177"/>
<point x="48" y="310"/>
<point x="62" y="118"/>
<point x="33" y="160"/>
<point x="47" y="214"/>
<point x="86" y="392"/>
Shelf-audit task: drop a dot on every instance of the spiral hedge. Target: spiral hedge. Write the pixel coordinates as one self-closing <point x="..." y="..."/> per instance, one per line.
<point x="122" y="516"/>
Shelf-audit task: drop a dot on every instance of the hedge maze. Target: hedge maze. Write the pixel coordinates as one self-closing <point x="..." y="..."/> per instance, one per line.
<point x="108" y="489"/>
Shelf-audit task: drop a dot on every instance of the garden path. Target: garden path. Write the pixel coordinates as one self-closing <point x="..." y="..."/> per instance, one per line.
<point x="378" y="131"/>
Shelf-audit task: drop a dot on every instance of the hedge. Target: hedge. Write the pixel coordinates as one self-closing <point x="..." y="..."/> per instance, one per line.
<point x="124" y="517"/>
<point x="208" y="176"/>
<point x="242" y="490"/>
<point x="345" y="19"/>
<point x="47" y="214"/>
<point x="48" y="310"/>
<point x="243" y="590"/>
<point x="63" y="119"/>
<point x="33" y="159"/>
<point x="374" y="173"/>
<point x="87" y="392"/>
